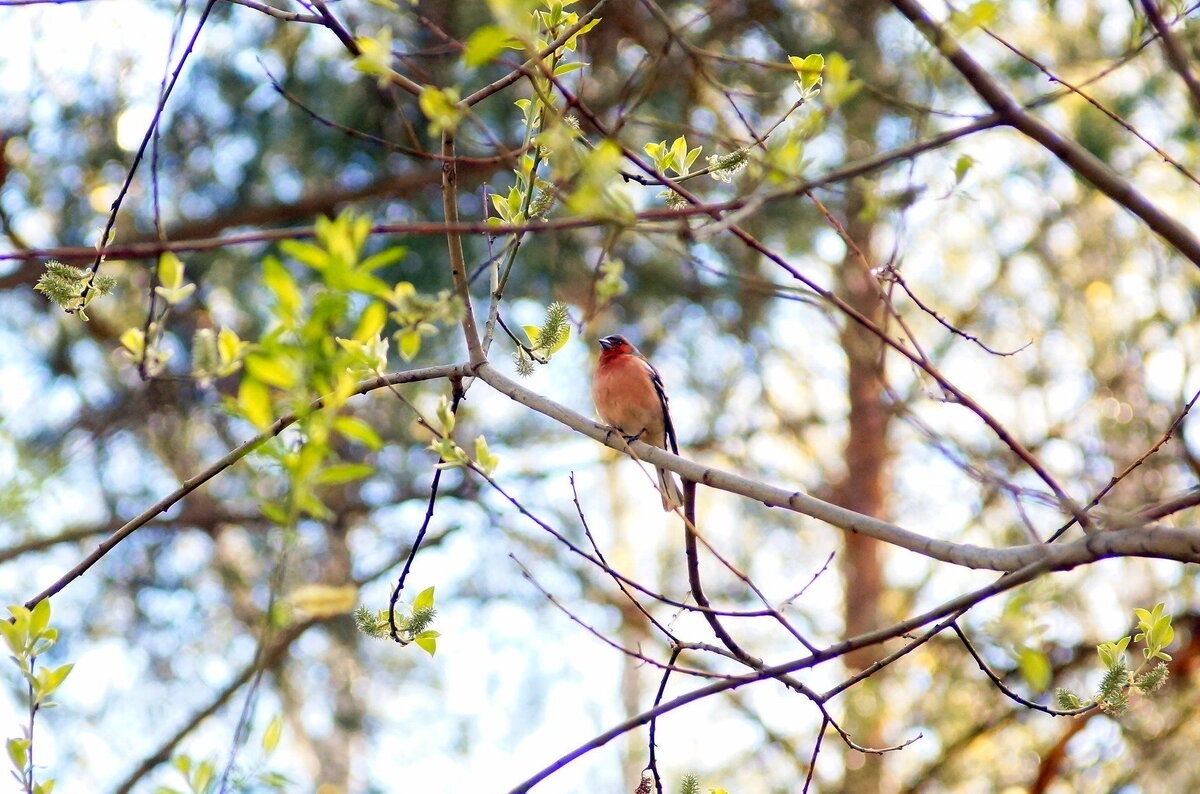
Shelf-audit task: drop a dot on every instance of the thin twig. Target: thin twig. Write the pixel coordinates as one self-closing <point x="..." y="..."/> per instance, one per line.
<point x="455" y="400"/>
<point x="954" y="606"/>
<point x="164" y="94"/>
<point x="1009" y="693"/>
<point x="1152" y="514"/>
<point x="812" y="762"/>
<point x="652" y="764"/>
<point x="892" y="273"/>
<point x="587" y="531"/>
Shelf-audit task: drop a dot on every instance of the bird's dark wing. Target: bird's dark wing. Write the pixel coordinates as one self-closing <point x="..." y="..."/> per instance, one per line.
<point x="668" y="425"/>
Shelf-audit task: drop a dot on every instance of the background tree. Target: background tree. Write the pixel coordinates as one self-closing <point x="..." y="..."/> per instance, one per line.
<point x="919" y="279"/>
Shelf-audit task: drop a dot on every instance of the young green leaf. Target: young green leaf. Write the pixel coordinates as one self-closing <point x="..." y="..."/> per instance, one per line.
<point x="356" y="429"/>
<point x="424" y="599"/>
<point x="270" y="738"/>
<point x="485" y="44"/>
<point x="254" y="401"/>
<point x="340" y="473"/>
<point x="427" y="641"/>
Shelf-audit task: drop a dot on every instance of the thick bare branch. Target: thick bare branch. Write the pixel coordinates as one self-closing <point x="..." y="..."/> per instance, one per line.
<point x="1074" y="156"/>
<point x="1180" y="545"/>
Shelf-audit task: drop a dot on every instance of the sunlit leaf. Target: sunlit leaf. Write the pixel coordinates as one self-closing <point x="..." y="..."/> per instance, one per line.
<point x="358" y="430"/>
<point x="485" y="44"/>
<point x="340" y="473"/>
<point x="270" y="738"/>
<point x="254" y="400"/>
<point x="424" y="599"/>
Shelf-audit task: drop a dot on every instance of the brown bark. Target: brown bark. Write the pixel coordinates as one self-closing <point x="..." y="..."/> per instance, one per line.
<point x="863" y="486"/>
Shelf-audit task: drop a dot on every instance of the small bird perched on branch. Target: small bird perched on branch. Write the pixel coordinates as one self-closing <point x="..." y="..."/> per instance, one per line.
<point x="629" y="395"/>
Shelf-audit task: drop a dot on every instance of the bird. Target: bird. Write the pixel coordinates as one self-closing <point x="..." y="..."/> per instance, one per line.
<point x="629" y="396"/>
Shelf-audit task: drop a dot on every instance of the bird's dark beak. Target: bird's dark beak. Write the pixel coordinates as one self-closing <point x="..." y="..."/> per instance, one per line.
<point x="606" y="343"/>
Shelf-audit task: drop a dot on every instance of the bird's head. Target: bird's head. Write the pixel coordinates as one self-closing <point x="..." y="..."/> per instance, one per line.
<point x="616" y="345"/>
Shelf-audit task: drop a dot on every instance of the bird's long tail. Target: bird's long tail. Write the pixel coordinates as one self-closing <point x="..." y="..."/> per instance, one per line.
<point x="668" y="488"/>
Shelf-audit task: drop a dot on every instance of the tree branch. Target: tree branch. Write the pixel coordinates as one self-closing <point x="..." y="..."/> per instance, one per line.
<point x="458" y="265"/>
<point x="1072" y="155"/>
<point x="1175" y="54"/>
<point x="953" y="606"/>
<point x="1180" y="545"/>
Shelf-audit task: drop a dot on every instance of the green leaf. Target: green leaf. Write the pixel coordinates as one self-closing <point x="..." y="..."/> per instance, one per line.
<point x="201" y="776"/>
<point x="275" y="780"/>
<point x="445" y="416"/>
<point x="274" y="512"/>
<point x="376" y="55"/>
<point x="384" y="258"/>
<point x="427" y="641"/>
<point x="424" y="599"/>
<point x="134" y="340"/>
<point x="808" y="69"/>
<point x="340" y="473"/>
<point x="485" y="44"/>
<point x="372" y="321"/>
<point x="39" y="618"/>
<point x="1035" y="668"/>
<point x="271" y="735"/>
<point x="170" y="271"/>
<point x="50" y="680"/>
<point x="484" y="457"/>
<point x="409" y="342"/>
<point x="961" y="166"/>
<point x="254" y="400"/>
<point x="306" y="253"/>
<point x="170" y="275"/>
<point x="18" y="752"/>
<point x="273" y="370"/>
<point x="567" y="68"/>
<point x="174" y="296"/>
<point x="358" y="430"/>
<point x="440" y="106"/>
<point x="13" y="638"/>
<point x="229" y="347"/>
<point x="20" y="616"/>
<point x="281" y="283"/>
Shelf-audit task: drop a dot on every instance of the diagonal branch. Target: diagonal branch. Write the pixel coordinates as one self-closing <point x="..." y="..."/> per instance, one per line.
<point x="951" y="607"/>
<point x="271" y="657"/>
<point x="1179" y="545"/>
<point x="220" y="465"/>
<point x="1074" y="156"/>
<point x="1175" y="54"/>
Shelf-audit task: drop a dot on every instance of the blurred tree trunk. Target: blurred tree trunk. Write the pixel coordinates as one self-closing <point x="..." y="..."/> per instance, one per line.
<point x="864" y="483"/>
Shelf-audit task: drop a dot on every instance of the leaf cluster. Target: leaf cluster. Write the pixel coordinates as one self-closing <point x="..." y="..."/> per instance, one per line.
<point x="1119" y="682"/>
<point x="411" y="627"/>
<point x="28" y="634"/>
<point x="68" y="287"/>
